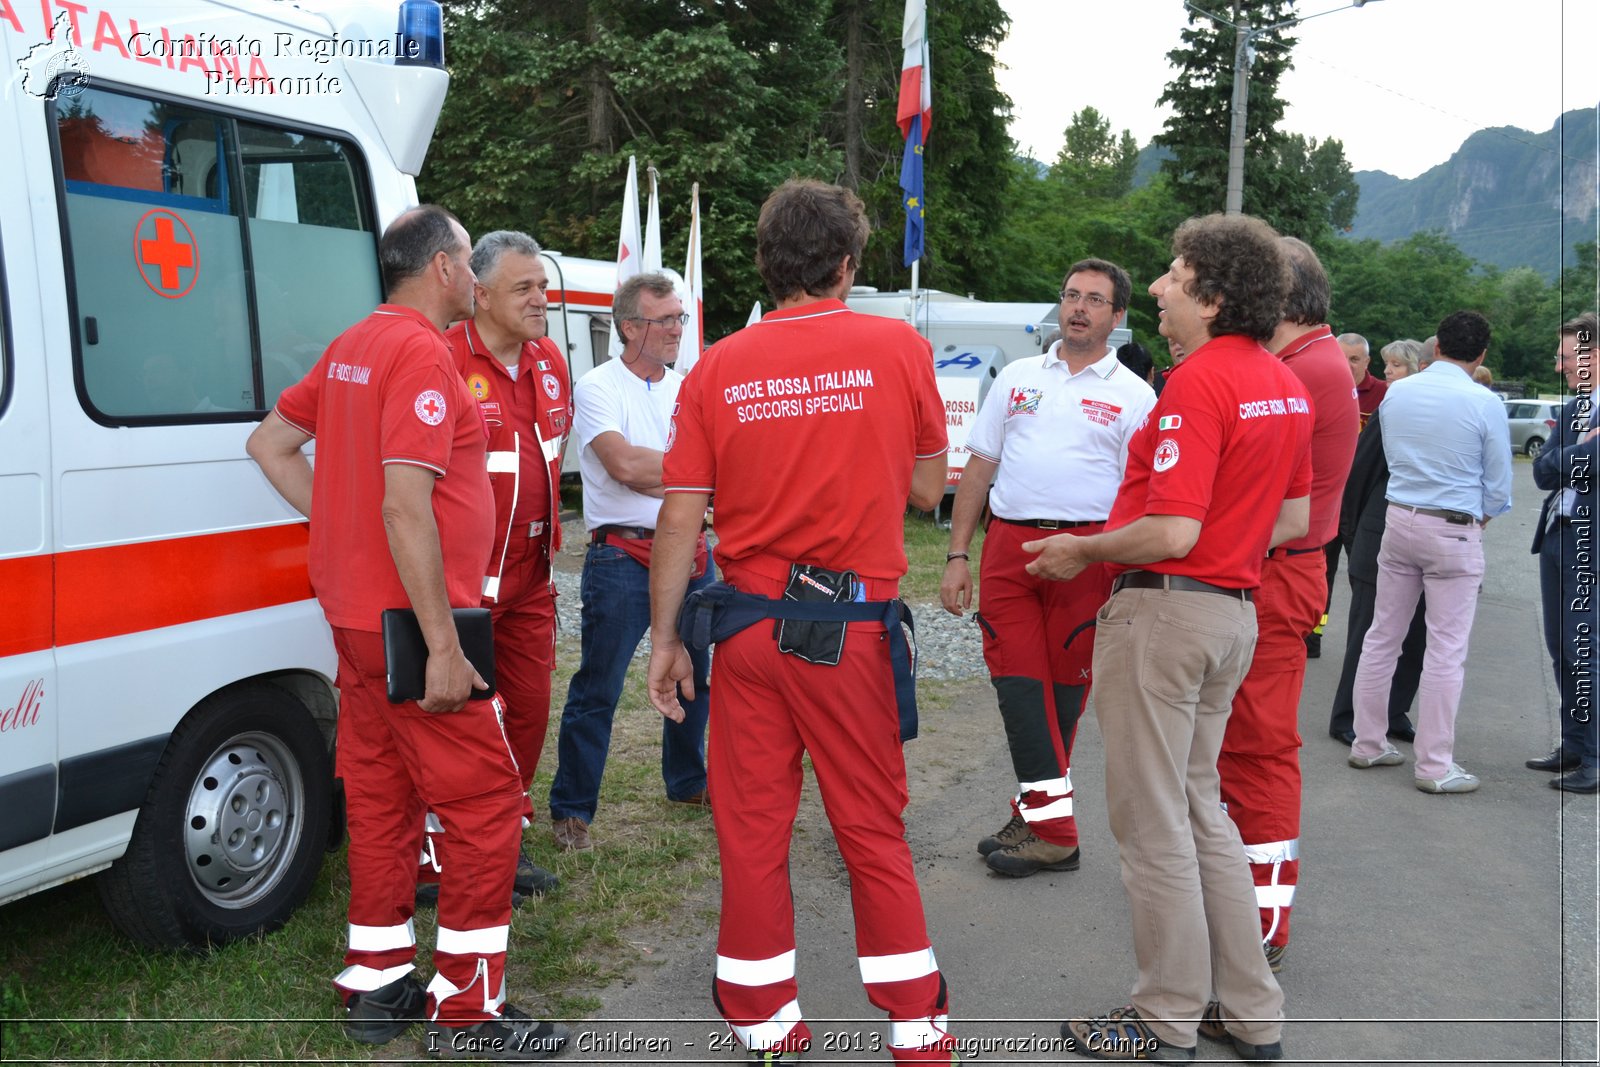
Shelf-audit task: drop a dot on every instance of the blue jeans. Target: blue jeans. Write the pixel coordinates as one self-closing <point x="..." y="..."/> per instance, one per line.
<point x="615" y="594"/>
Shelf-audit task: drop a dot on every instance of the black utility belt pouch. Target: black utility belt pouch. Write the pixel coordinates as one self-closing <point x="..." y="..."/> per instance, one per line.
<point x="819" y="642"/>
<point x="717" y="611"/>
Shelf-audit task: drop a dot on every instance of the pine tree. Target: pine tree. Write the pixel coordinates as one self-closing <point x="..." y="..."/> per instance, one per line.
<point x="1301" y="187"/>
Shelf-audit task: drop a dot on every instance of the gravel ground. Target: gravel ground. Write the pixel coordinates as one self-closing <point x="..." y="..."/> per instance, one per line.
<point x="950" y="648"/>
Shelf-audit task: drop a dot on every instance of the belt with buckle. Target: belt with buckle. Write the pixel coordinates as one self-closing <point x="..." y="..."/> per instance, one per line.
<point x="1455" y="518"/>
<point x="627" y="533"/>
<point x="1179" y="582"/>
<point x="1053" y="524"/>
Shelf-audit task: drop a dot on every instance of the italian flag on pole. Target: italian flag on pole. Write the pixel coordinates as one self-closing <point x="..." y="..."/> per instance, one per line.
<point x="914" y="114"/>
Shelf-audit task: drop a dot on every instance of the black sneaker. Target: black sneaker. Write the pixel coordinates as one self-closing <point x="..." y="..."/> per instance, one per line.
<point x="513" y="1037"/>
<point x="378" y="1017"/>
<point x="533" y="881"/>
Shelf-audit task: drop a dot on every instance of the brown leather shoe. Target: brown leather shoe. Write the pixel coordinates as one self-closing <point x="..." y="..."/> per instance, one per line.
<point x="572" y="834"/>
<point x="698" y="799"/>
<point x="1030" y="856"/>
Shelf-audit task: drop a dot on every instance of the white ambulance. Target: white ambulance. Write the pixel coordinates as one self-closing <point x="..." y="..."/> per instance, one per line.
<point x="192" y="198"/>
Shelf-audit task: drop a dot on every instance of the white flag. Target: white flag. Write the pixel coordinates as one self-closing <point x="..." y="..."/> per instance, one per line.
<point x="755" y="315"/>
<point x="694" y="335"/>
<point x="630" y="250"/>
<point x="652" y="226"/>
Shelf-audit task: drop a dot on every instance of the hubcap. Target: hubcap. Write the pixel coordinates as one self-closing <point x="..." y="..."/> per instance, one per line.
<point x="242" y="822"/>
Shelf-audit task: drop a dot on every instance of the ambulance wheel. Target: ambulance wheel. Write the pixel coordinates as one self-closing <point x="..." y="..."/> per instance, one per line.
<point x="233" y="831"/>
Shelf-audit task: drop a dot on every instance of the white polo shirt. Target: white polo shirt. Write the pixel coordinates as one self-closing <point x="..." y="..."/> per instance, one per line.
<point x="612" y="397"/>
<point x="1061" y="439"/>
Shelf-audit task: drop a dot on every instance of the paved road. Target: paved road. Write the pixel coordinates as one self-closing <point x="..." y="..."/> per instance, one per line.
<point x="1428" y="929"/>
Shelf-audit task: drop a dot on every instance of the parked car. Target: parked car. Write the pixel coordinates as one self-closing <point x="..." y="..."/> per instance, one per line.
<point x="1532" y="423"/>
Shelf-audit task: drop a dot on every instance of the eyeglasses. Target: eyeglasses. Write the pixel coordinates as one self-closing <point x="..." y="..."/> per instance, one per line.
<point x="682" y="319"/>
<point x="1094" y="300"/>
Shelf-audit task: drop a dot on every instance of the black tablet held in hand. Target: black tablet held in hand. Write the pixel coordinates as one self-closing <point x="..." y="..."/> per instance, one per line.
<point x="405" y="653"/>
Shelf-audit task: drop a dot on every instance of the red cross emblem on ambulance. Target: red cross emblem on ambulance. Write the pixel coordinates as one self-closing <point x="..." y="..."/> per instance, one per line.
<point x="166" y="253"/>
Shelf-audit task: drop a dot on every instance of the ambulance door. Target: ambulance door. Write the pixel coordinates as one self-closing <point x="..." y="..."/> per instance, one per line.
<point x="28" y="703"/>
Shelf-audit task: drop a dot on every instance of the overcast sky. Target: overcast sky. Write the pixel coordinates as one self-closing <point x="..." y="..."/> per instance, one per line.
<point x="1401" y="82"/>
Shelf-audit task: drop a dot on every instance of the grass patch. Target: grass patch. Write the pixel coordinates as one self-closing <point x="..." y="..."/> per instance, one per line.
<point x="926" y="544"/>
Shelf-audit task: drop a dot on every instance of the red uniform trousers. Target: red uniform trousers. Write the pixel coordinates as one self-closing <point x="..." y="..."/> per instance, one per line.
<point x="767" y="710"/>
<point x="1260" y="760"/>
<point x="1038" y="643"/>
<point x="524" y="658"/>
<point x="398" y="761"/>
<point x="525" y="649"/>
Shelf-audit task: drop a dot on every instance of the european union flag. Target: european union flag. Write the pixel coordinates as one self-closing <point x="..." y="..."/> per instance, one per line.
<point x="911" y="186"/>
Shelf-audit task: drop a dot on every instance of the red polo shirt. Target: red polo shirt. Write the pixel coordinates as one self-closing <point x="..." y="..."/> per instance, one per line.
<point x="1228" y="442"/>
<point x="386" y="391"/>
<point x="1320" y="364"/>
<point x="806" y="426"/>
<point x="1369" y="394"/>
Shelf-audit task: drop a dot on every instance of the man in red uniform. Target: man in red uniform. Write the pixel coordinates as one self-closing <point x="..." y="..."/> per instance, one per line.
<point x="519" y="380"/>
<point x="1074" y="409"/>
<point x="1260" y="761"/>
<point x="401" y="515"/>
<point x="1220" y="472"/>
<point x="813" y="427"/>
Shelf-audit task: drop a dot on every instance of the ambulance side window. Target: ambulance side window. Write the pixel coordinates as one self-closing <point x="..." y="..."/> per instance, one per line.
<point x="156" y="257"/>
<point x="212" y="260"/>
<point x="311" y="243"/>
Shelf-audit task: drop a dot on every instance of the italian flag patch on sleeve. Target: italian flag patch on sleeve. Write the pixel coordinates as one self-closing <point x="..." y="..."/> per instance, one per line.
<point x="1170" y="422"/>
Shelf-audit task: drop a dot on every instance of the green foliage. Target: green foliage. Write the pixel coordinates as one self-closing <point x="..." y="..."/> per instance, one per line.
<point x="1094" y="162"/>
<point x="1578" y="288"/>
<point x="549" y="99"/>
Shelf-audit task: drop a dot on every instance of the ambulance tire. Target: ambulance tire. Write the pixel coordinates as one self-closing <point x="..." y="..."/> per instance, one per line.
<point x="233" y="831"/>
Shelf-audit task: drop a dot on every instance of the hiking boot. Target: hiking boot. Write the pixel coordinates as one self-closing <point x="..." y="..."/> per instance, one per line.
<point x="533" y="881"/>
<point x="513" y="1037"/>
<point x="572" y="834"/>
<point x="1212" y="1027"/>
<point x="1455" y="780"/>
<point x="1031" y="855"/>
<point x="1275" y="955"/>
<point x="378" y="1017"/>
<point x="1012" y="833"/>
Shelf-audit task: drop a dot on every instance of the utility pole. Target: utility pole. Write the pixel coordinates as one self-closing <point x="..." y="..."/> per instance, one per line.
<point x="1243" y="53"/>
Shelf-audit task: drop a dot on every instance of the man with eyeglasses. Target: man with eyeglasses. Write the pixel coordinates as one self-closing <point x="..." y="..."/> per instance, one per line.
<point x="1046" y="452"/>
<point x="623" y="411"/>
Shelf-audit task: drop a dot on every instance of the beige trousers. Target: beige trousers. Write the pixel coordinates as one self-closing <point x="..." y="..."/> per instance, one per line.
<point x="1166" y="665"/>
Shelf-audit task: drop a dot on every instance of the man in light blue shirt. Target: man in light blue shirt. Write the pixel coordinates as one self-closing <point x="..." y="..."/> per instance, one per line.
<point x="1449" y="452"/>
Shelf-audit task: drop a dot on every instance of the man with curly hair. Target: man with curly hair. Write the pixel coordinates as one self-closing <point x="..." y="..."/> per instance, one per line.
<point x="1220" y="473"/>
